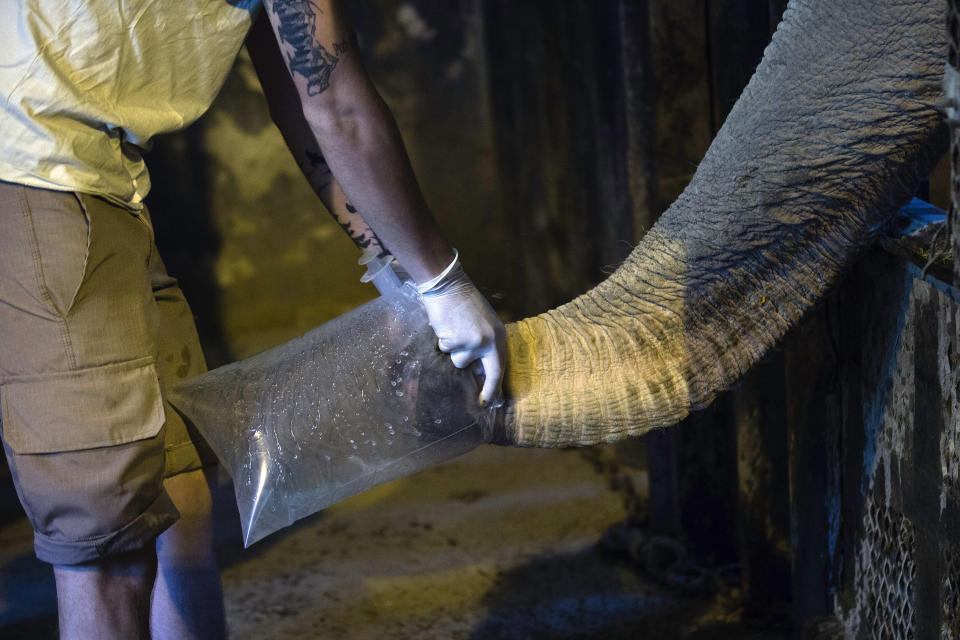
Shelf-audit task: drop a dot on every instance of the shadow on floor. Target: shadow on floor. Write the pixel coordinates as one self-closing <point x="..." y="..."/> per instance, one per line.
<point x="593" y="594"/>
<point x="29" y="599"/>
<point x="380" y="571"/>
<point x="579" y="595"/>
<point x="28" y="596"/>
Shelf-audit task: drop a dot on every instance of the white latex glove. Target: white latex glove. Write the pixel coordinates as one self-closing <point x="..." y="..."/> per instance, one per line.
<point x="467" y="326"/>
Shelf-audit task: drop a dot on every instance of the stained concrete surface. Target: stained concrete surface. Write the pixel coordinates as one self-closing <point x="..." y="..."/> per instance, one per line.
<point x="500" y="543"/>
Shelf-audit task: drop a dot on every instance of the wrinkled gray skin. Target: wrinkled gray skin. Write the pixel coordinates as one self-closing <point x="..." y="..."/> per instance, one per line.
<point x="831" y="136"/>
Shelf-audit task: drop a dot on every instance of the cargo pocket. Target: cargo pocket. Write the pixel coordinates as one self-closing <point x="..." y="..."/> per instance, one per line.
<point x="86" y="452"/>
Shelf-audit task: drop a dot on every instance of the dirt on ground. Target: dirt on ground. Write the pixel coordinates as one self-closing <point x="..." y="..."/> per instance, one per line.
<point x="500" y="543"/>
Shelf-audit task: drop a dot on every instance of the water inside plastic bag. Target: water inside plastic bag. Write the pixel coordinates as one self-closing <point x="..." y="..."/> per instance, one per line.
<point x="361" y="400"/>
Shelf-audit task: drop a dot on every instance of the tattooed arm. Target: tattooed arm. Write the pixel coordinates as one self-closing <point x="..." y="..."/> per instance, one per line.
<point x="286" y="113"/>
<point x="356" y="131"/>
<point x="363" y="149"/>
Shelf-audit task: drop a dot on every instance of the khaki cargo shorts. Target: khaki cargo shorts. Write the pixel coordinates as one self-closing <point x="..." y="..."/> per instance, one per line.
<point x="92" y="332"/>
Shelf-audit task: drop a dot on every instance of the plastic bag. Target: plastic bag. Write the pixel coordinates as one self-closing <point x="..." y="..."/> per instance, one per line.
<point x="361" y="400"/>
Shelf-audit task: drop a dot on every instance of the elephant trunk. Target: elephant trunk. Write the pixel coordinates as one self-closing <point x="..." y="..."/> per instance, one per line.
<point x="832" y="134"/>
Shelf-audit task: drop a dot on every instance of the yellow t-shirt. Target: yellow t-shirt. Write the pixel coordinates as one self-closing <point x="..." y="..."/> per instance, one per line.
<point x="85" y="85"/>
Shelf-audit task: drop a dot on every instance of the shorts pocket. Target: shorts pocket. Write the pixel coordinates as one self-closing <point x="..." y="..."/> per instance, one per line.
<point x="61" y="230"/>
<point x="86" y="452"/>
<point x="97" y="407"/>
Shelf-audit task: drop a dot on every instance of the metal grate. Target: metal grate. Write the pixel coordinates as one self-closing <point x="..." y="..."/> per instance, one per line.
<point x="904" y="578"/>
<point x="950" y="591"/>
<point x="948" y="356"/>
<point x="886" y="573"/>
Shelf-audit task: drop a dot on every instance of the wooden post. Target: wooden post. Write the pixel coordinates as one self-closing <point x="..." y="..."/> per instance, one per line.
<point x="814" y="427"/>
<point x="566" y="131"/>
<point x="639" y="99"/>
<point x="759" y="407"/>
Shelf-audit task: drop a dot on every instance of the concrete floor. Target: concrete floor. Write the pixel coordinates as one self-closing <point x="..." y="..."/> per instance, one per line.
<point x="500" y="543"/>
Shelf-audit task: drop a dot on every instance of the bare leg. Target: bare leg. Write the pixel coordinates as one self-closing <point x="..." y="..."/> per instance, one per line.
<point x="109" y="598"/>
<point x="187" y="598"/>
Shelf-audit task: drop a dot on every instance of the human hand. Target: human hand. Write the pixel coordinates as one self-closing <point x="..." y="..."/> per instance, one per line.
<point x="466" y="326"/>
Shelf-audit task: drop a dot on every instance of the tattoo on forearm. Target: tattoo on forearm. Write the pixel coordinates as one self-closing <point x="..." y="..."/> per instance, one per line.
<point x="317" y="170"/>
<point x="296" y="23"/>
<point x="315" y="159"/>
<point x="362" y="239"/>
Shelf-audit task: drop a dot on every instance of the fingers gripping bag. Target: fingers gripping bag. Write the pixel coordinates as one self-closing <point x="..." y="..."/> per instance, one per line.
<point x="361" y="400"/>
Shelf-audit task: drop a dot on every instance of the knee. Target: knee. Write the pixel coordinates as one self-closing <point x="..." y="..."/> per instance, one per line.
<point x="130" y="572"/>
<point x="191" y="494"/>
<point x="190" y="538"/>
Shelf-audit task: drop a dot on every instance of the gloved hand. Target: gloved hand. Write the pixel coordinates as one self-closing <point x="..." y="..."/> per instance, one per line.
<point x="467" y="326"/>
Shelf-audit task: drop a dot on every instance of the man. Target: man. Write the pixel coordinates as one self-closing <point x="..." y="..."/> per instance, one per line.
<point x="92" y="329"/>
